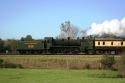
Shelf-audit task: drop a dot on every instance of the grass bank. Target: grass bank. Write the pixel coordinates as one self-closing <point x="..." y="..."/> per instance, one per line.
<point x="55" y="61"/>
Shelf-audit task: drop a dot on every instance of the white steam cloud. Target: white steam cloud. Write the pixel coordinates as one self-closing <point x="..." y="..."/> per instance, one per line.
<point x="113" y="27"/>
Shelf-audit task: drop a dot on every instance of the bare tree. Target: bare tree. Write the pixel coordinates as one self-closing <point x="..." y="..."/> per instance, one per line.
<point x="68" y="30"/>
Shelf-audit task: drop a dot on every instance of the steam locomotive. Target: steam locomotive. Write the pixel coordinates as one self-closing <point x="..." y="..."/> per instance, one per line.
<point x="49" y="45"/>
<point x="88" y="45"/>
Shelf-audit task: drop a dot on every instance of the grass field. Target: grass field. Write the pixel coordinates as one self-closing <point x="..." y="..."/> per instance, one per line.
<point x="58" y="76"/>
<point x="54" y="61"/>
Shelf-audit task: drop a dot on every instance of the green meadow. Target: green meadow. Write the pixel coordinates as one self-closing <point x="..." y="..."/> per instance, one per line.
<point x="58" y="76"/>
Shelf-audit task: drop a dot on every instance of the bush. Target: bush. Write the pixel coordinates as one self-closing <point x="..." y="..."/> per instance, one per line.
<point x="11" y="65"/>
<point x="107" y="61"/>
<point x="87" y="66"/>
<point x="120" y="76"/>
<point x="74" y="66"/>
<point x="121" y="68"/>
<point x="1" y="61"/>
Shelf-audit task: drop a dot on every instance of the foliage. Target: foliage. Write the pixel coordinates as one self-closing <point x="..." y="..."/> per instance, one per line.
<point x="11" y="65"/>
<point x="107" y="61"/>
<point x="11" y="45"/>
<point x="4" y="64"/>
<point x="22" y="39"/>
<point x="122" y="66"/>
<point x="87" y="66"/>
<point x="1" y="46"/>
<point x="1" y="61"/>
<point x="27" y="38"/>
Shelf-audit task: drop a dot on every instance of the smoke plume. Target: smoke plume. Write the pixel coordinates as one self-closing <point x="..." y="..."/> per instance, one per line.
<point x="113" y="27"/>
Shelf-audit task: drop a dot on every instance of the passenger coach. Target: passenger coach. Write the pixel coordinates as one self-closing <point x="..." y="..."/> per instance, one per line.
<point x="109" y="46"/>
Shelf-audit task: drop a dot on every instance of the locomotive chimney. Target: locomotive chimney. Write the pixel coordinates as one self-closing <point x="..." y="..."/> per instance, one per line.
<point x="82" y="38"/>
<point x="68" y="38"/>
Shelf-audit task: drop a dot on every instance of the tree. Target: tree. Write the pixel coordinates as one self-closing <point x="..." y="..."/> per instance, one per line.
<point x="107" y="61"/>
<point x="68" y="30"/>
<point x="121" y="67"/>
<point x="1" y="46"/>
<point x="28" y="38"/>
<point x="11" y="45"/>
<point x="22" y="39"/>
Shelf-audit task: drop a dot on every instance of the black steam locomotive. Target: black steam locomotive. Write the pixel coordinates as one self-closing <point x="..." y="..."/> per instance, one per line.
<point x="49" y="45"/>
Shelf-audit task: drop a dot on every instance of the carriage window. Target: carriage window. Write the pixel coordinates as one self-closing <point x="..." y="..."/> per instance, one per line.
<point x="111" y="43"/>
<point x="103" y="43"/>
<point x="122" y="43"/>
<point x="98" y="43"/>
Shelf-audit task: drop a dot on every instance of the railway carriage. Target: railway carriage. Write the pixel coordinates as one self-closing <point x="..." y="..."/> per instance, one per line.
<point x="109" y="46"/>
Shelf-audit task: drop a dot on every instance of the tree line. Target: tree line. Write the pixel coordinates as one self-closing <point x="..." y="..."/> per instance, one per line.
<point x="9" y="45"/>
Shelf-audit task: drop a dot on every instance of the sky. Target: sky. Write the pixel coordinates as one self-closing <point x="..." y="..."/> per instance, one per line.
<point x="42" y="18"/>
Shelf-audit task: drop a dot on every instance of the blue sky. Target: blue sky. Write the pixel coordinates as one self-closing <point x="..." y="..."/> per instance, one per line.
<point x="41" y="18"/>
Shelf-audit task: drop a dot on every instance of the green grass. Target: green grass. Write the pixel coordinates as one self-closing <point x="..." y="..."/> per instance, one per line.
<point x="58" y="76"/>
